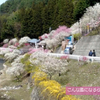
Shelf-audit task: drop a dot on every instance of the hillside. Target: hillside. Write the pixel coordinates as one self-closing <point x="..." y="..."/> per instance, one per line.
<point x="36" y="20"/>
<point x="12" y="5"/>
<point x="81" y="74"/>
<point x="33" y="18"/>
<point x="77" y="74"/>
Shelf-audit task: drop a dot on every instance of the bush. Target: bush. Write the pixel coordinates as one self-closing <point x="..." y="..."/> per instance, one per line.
<point x="49" y="89"/>
<point x="24" y="60"/>
<point x="77" y="36"/>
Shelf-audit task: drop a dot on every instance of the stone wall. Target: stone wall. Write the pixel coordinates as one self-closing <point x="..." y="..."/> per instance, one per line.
<point x="87" y="43"/>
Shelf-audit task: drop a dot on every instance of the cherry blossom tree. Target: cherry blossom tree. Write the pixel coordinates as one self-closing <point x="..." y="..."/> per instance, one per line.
<point x="24" y="40"/>
<point x="13" y="41"/>
<point x="48" y="63"/>
<point x="56" y="36"/>
<point x="89" y="21"/>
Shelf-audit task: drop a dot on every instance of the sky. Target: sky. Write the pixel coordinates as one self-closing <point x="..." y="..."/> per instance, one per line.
<point x="2" y="1"/>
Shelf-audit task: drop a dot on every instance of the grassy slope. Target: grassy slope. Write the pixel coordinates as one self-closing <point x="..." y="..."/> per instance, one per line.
<point x="81" y="74"/>
<point x="21" y="94"/>
<point x="78" y="74"/>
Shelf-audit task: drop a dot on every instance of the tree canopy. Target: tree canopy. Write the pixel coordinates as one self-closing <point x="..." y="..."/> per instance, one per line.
<point x="34" y="17"/>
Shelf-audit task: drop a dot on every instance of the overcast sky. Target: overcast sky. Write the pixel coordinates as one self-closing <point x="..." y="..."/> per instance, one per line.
<point x="2" y="1"/>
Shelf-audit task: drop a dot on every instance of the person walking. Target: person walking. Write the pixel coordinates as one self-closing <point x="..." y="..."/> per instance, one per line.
<point x="94" y="53"/>
<point x="90" y="53"/>
<point x="64" y="43"/>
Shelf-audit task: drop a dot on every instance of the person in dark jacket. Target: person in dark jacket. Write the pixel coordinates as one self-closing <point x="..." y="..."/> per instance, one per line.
<point x="90" y="53"/>
<point x="93" y="53"/>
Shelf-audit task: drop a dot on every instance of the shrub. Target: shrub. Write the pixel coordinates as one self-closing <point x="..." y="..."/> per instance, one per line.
<point x="23" y="60"/>
<point x="49" y="89"/>
<point x="77" y="36"/>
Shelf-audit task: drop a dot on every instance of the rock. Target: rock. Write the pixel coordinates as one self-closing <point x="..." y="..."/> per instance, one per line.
<point x="19" y="86"/>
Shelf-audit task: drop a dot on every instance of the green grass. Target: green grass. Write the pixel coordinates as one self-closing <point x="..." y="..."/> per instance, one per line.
<point x="95" y="31"/>
<point x="77" y="74"/>
<point x="1" y="57"/>
<point x="80" y="74"/>
<point x="21" y="94"/>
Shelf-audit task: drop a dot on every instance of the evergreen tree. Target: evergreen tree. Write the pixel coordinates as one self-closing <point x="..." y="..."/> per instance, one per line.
<point x="2" y="22"/>
<point x="65" y="12"/>
<point x="8" y="31"/>
<point x="37" y="19"/>
<point x="81" y="6"/>
<point x="46" y="19"/>
<point x="26" y="22"/>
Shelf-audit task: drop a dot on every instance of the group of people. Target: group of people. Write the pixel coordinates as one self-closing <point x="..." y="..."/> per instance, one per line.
<point x="67" y="47"/>
<point x="92" y="53"/>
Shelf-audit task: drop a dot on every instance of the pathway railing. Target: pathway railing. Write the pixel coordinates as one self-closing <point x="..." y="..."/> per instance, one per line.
<point x="76" y="57"/>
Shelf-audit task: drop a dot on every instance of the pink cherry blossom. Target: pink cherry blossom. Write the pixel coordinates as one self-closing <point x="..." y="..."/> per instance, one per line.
<point x="16" y="44"/>
<point x="64" y="57"/>
<point x="33" y="50"/>
<point x="44" y="36"/>
<point x="5" y="45"/>
<point x="10" y="50"/>
<point x="83" y="58"/>
<point x="26" y="44"/>
<point x="61" y="29"/>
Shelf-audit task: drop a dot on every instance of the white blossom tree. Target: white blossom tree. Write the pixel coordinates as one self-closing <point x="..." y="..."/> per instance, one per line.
<point x="53" y="65"/>
<point x="17" y="68"/>
<point x="89" y="20"/>
<point x="49" y="64"/>
<point x="12" y="55"/>
<point x="5" y="40"/>
<point x="13" y="41"/>
<point x="24" y="40"/>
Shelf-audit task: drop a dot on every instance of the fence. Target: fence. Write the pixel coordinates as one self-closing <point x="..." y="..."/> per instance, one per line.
<point x="76" y="57"/>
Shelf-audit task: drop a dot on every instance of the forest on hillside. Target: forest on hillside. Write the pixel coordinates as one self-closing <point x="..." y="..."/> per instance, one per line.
<point x="33" y="18"/>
